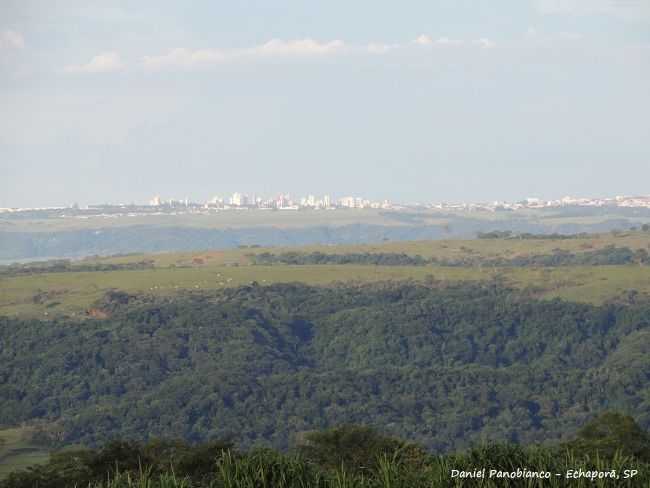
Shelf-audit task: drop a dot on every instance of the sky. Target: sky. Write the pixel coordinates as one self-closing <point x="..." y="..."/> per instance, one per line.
<point x="414" y="101"/>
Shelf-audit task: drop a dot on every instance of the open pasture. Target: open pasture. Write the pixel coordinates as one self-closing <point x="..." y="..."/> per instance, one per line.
<point x="74" y="292"/>
<point x="17" y="451"/>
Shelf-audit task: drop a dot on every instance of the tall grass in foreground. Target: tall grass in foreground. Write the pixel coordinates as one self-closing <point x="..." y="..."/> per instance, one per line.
<point x="267" y="469"/>
<point x="144" y="479"/>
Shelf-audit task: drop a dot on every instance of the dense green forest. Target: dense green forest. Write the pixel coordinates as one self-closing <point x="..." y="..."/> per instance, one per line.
<point x="611" y="450"/>
<point x="442" y="365"/>
<point x="609" y="255"/>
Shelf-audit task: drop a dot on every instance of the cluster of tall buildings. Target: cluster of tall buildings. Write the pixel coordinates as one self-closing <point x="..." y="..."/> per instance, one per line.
<point x="241" y="201"/>
<point x="281" y="202"/>
<point x="285" y="202"/>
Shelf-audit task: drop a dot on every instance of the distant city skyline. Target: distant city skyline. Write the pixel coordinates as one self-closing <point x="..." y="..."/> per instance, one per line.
<point x="284" y="201"/>
<point x="444" y="100"/>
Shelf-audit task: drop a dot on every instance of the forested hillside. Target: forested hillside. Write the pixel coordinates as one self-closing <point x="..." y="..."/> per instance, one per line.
<point x="442" y="365"/>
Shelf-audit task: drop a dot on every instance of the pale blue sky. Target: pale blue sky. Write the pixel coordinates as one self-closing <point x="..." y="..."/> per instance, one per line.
<point x="412" y="101"/>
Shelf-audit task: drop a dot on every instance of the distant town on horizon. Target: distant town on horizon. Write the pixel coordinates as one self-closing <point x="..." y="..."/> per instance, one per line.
<point x="242" y="201"/>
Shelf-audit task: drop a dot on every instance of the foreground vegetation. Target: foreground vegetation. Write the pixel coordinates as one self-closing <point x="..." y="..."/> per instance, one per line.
<point x="611" y="450"/>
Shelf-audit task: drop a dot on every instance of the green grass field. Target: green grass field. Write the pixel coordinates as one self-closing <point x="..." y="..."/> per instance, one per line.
<point x="72" y="293"/>
<point x="440" y="248"/>
<point x="17" y="451"/>
<point x="487" y="248"/>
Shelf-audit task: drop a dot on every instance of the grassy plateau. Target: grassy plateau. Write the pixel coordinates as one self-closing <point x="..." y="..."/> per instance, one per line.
<point x="72" y="293"/>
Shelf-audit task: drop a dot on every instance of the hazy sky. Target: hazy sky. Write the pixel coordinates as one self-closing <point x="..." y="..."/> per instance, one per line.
<point x="413" y="100"/>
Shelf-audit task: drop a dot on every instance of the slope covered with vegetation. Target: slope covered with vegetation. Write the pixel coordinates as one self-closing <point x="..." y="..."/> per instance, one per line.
<point x="442" y="365"/>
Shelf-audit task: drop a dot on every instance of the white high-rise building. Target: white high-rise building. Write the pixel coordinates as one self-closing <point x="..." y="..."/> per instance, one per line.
<point x="327" y="202"/>
<point x="155" y="201"/>
<point x="238" y="199"/>
<point x="347" y="202"/>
